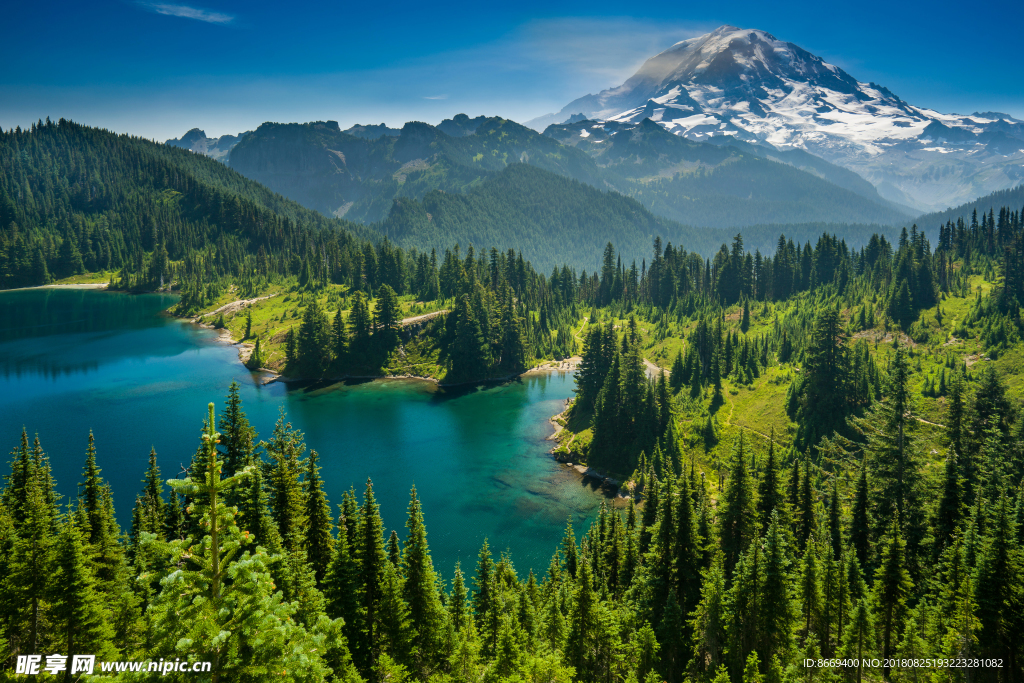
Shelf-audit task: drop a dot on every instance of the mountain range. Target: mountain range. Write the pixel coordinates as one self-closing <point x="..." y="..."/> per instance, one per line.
<point x="747" y="85"/>
<point x="730" y="130"/>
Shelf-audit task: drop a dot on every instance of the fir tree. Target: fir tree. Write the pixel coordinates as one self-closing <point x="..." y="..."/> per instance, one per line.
<point x="420" y="589"/>
<point x="739" y="512"/>
<point x="318" y="542"/>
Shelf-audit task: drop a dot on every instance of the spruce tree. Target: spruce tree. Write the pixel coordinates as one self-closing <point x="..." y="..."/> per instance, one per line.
<point x="238" y="434"/>
<point x="285" y="449"/>
<point x="860" y="525"/>
<point x="318" y="542"/>
<point x="313" y="342"/>
<point x="769" y="488"/>
<point x="420" y="589"/>
<point x="80" y="621"/>
<point x="891" y="590"/>
<point x="739" y="507"/>
<point x="91" y="491"/>
<point x="218" y="603"/>
<point x="371" y="585"/>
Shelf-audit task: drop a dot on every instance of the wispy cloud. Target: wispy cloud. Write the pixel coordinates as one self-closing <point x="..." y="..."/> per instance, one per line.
<point x="435" y="97"/>
<point x="605" y="48"/>
<point x="187" y="12"/>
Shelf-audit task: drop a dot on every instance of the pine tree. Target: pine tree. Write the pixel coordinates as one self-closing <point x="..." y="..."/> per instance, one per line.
<point x="359" y="320"/>
<point x="769" y="489"/>
<point x="483" y="596"/>
<point x="218" y="604"/>
<point x="91" y="491"/>
<point x="340" y="335"/>
<point x="341" y="588"/>
<point x="387" y="315"/>
<point x="80" y="622"/>
<point x="371" y="585"/>
<point x="708" y="620"/>
<point x="860" y="525"/>
<point x="420" y="589"/>
<point x="999" y="587"/>
<point x="393" y="551"/>
<point x="810" y="592"/>
<point x="285" y="449"/>
<point x="739" y="512"/>
<point x="949" y="512"/>
<point x="319" y="543"/>
<point x="676" y="376"/>
<point x="238" y="434"/>
<point x="776" y="604"/>
<point x="31" y="562"/>
<point x="313" y="342"/>
<point x="891" y="590"/>
<point x="583" y="627"/>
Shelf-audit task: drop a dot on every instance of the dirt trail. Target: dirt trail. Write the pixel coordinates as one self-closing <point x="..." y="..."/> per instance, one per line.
<point x="421" y="318"/>
<point x="235" y="306"/>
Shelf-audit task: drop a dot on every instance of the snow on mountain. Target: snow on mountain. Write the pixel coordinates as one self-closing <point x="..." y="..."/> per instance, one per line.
<point x="748" y="84"/>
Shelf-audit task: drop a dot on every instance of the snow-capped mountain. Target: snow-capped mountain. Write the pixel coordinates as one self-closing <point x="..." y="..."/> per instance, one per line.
<point x="748" y="84"/>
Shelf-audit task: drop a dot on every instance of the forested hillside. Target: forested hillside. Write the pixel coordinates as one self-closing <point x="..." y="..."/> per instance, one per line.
<point x="76" y="199"/>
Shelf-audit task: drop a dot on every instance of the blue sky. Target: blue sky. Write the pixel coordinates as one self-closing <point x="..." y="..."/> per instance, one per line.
<point x="158" y="68"/>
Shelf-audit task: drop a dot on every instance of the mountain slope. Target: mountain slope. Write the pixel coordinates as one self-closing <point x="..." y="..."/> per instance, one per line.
<point x="749" y="85"/>
<point x="357" y="176"/>
<point x="340" y="174"/>
<point x="717" y="185"/>
<point x="550" y="219"/>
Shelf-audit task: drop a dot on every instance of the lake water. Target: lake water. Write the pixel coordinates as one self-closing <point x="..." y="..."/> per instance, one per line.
<point x="72" y="360"/>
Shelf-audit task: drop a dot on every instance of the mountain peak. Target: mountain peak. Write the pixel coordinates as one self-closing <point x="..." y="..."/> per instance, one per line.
<point x="746" y="84"/>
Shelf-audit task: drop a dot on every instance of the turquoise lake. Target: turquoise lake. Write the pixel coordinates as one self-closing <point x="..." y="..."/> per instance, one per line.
<point x="72" y="360"/>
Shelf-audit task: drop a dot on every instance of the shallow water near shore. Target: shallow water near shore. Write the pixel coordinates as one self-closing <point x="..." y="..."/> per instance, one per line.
<point x="75" y="360"/>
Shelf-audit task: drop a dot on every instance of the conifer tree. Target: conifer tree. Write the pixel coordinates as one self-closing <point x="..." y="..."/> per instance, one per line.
<point x="81" y="623"/>
<point x="30" y="564"/>
<point x="949" y="513"/>
<point x="769" y="488"/>
<point x="860" y="525"/>
<point x="420" y="589"/>
<point x="393" y="551"/>
<point x="339" y="337"/>
<point x="285" y="449"/>
<point x="341" y="588"/>
<point x="739" y="512"/>
<point x="218" y="604"/>
<point x="359" y="321"/>
<point x="318" y="542"/>
<point x="776" y="604"/>
<point x="238" y="434"/>
<point x="810" y="591"/>
<point x="891" y="590"/>
<point x="313" y="342"/>
<point x="371" y="585"/>
<point x="998" y="590"/>
<point x="91" y="489"/>
<point x="708" y="620"/>
<point x="583" y="626"/>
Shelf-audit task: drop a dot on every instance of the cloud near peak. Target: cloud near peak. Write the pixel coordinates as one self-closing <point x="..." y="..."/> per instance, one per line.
<point x="187" y="12"/>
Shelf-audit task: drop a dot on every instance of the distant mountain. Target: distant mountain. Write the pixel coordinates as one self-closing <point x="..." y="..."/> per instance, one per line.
<point x="216" y="148"/>
<point x="356" y="174"/>
<point x="725" y="186"/>
<point x="340" y="174"/>
<point x="748" y="85"/>
<point x="555" y="220"/>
